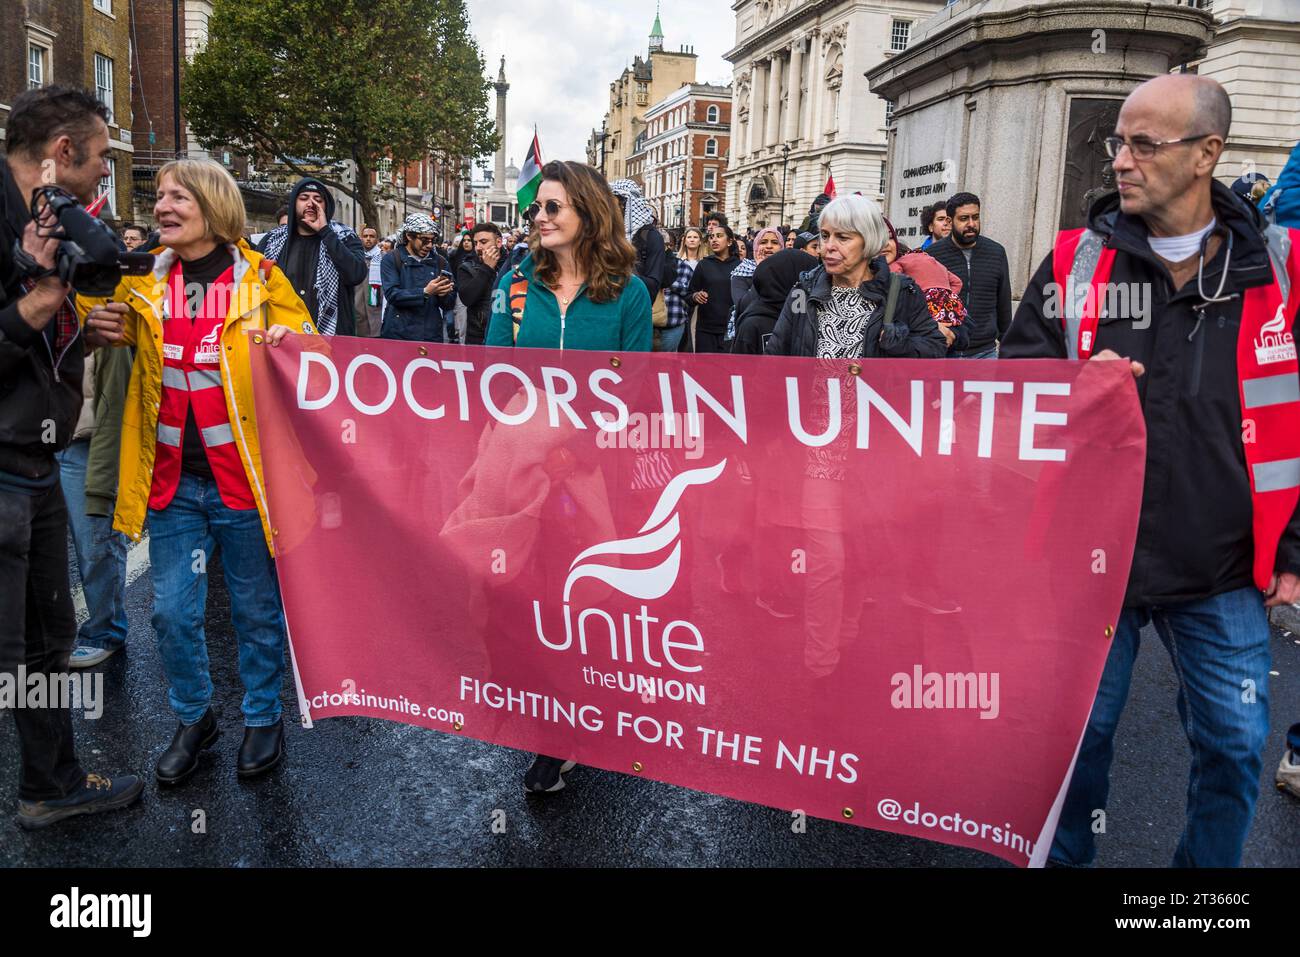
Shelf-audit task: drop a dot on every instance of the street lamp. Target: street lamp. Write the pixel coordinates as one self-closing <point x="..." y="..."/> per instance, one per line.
<point x="785" y="165"/>
<point x="176" y="77"/>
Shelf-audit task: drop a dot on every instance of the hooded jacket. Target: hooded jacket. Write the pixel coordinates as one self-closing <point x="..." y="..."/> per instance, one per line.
<point x="1194" y="533"/>
<point x="773" y="280"/>
<point x="912" y="335"/>
<point x="36" y="385"/>
<point x="341" y="244"/>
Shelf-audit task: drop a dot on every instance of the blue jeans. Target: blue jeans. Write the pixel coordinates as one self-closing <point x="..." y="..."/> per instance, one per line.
<point x="181" y="540"/>
<point x="101" y="556"/>
<point x="670" y="339"/>
<point x="990" y="353"/>
<point x="1220" y="655"/>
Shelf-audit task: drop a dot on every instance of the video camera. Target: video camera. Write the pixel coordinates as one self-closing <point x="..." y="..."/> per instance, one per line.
<point x="89" y="257"/>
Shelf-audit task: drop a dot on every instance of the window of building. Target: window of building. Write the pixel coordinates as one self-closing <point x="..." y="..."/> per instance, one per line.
<point x="710" y="147"/>
<point x="710" y="179"/>
<point x="899" y="33"/>
<point x="714" y="113"/>
<point x="104" y="82"/>
<point x="37" y="60"/>
<point x="882" y="178"/>
<point x="104" y="5"/>
<point x="889" y="112"/>
<point x="109" y="183"/>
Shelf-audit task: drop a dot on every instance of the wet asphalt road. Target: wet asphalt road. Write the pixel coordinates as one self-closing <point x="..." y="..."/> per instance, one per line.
<point x="366" y="792"/>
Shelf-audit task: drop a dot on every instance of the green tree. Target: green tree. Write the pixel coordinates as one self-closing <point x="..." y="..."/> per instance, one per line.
<point x="325" y="81"/>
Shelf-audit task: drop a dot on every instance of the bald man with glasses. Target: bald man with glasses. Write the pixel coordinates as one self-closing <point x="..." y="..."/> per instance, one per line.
<point x="1177" y="277"/>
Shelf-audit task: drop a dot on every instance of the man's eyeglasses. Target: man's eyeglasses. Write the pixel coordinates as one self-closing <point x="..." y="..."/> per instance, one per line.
<point x="551" y="206"/>
<point x="1142" y="147"/>
<point x="423" y="240"/>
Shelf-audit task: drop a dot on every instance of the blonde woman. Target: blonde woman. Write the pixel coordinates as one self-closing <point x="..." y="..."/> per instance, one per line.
<point x="190" y="458"/>
<point x="676" y="301"/>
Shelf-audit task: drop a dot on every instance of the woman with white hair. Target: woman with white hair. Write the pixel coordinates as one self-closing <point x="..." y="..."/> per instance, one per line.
<point x="849" y="307"/>
<point x="846" y="308"/>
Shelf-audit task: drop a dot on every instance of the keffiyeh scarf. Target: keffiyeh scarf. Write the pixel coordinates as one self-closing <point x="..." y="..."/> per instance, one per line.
<point x="327" y="277"/>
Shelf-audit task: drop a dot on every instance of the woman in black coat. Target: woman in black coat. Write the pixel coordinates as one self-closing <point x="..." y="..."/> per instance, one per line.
<point x="773" y="280"/>
<point x="837" y="310"/>
<point x="710" y="289"/>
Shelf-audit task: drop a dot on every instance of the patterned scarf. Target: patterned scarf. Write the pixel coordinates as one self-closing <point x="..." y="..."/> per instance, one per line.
<point x="327" y="277"/>
<point x="637" y="213"/>
<point x="743" y="268"/>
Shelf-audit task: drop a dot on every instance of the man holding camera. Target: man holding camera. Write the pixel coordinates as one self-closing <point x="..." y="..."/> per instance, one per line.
<point x="54" y="136"/>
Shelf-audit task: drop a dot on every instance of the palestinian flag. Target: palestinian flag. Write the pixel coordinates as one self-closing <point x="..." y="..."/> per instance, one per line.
<point x="830" y="186"/>
<point x="530" y="175"/>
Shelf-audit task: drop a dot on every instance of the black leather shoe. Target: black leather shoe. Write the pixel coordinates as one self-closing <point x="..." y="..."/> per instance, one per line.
<point x="181" y="758"/>
<point x="262" y="750"/>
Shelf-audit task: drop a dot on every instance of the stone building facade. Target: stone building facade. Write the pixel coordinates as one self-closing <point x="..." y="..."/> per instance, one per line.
<point x="802" y="108"/>
<point x="1255" y="54"/>
<point x="644" y="83"/>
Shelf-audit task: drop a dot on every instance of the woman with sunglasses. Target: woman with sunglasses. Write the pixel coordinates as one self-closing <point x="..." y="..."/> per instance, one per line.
<point x="582" y="292"/>
<point x="579" y="291"/>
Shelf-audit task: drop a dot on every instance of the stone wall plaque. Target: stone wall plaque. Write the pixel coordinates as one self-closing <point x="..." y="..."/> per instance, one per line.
<point x="1088" y="172"/>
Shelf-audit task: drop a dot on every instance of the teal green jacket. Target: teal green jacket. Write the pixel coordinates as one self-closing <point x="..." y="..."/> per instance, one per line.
<point x="622" y="325"/>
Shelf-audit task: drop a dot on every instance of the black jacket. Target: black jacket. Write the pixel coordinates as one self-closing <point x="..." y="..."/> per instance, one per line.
<point x="912" y="335"/>
<point x="1194" y="534"/>
<point x="985" y="287"/>
<point x="649" y="246"/>
<point x="713" y="275"/>
<point x="346" y="252"/>
<point x="773" y="280"/>
<point x="475" y="284"/>
<point x="36" y="386"/>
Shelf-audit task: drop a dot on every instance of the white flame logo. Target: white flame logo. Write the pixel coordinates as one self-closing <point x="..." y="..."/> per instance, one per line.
<point x="1276" y="324"/>
<point x="661" y="530"/>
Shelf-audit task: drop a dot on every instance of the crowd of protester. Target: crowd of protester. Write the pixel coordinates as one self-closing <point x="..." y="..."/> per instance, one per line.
<point x="155" y="420"/>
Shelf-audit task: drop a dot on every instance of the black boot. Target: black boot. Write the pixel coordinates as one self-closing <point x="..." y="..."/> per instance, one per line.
<point x="262" y="749"/>
<point x="181" y="759"/>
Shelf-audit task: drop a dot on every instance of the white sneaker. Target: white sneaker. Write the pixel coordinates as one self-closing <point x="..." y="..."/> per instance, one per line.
<point x="1288" y="774"/>
<point x="87" y="656"/>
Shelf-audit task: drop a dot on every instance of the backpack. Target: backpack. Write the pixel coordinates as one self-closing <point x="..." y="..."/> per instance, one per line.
<point x="518" y="299"/>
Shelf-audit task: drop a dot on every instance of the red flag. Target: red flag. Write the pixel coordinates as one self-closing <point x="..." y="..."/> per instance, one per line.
<point x="97" y="203"/>
<point x="830" y="186"/>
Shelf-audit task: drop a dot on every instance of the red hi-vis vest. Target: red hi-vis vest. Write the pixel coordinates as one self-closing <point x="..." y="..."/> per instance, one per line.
<point x="191" y="379"/>
<point x="1267" y="372"/>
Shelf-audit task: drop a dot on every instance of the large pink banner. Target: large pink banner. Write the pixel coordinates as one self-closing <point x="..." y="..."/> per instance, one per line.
<point x="880" y="593"/>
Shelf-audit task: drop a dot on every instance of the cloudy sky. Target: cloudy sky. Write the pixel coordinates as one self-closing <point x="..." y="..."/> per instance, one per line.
<point x="561" y="56"/>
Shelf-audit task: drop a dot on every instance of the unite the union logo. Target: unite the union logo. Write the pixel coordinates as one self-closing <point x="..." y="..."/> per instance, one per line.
<point x="654" y="555"/>
<point x="1274" y="342"/>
